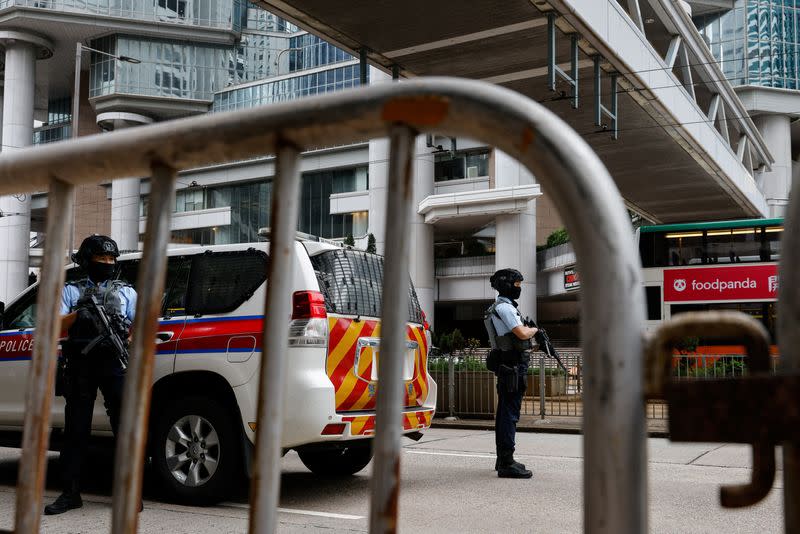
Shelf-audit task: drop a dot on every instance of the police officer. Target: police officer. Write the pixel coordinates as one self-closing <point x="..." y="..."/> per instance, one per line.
<point x="510" y="340"/>
<point x="99" y="366"/>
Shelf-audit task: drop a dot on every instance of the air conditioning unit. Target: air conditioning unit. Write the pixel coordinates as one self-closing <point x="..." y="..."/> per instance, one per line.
<point x="472" y="172"/>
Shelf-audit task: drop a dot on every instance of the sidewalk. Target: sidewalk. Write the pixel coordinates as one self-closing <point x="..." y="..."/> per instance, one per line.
<point x="656" y="428"/>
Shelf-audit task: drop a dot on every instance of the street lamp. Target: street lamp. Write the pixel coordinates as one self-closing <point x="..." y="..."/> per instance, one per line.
<point x="76" y="100"/>
<point x="278" y="59"/>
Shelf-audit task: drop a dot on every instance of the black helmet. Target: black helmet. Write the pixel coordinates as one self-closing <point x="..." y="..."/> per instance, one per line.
<point x="95" y="245"/>
<point x="503" y="281"/>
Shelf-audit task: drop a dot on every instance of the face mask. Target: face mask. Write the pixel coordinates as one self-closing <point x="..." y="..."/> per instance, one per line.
<point x="100" y="272"/>
<point x="515" y="292"/>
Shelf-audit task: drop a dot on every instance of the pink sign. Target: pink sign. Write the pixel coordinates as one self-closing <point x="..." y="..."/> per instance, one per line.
<point x="735" y="283"/>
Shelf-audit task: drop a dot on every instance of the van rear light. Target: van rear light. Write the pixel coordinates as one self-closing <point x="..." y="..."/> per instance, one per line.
<point x="309" y="326"/>
<point x="308" y="305"/>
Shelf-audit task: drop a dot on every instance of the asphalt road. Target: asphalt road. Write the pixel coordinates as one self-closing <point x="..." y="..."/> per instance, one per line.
<point x="448" y="485"/>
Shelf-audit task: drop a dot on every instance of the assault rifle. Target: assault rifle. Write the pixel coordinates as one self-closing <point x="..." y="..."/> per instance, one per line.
<point x="543" y="340"/>
<point x="107" y="331"/>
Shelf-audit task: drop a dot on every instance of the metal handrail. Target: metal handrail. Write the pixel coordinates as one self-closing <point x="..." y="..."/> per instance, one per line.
<point x="615" y="490"/>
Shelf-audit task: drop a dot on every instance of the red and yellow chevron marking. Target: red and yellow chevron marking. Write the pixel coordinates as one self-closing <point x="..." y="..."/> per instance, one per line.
<point x="364" y="425"/>
<point x="355" y="391"/>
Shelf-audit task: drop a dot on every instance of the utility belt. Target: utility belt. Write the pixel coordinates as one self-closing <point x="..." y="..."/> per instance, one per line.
<point x="511" y="343"/>
<point x="505" y="358"/>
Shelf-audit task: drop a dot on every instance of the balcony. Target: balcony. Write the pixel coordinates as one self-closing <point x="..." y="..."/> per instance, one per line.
<point x="465" y="266"/>
<point x="203" y="14"/>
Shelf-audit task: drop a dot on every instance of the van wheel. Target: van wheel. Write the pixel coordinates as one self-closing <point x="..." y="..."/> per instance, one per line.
<point x="336" y="462"/>
<point x="196" y="453"/>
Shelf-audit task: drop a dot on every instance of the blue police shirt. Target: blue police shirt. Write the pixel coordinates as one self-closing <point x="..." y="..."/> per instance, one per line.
<point x="71" y="293"/>
<point x="509" y="316"/>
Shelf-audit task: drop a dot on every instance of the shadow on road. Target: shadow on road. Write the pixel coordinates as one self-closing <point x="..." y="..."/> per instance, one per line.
<point x="298" y="488"/>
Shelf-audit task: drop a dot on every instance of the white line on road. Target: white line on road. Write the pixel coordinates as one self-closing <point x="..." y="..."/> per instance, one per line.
<point x="410" y="451"/>
<point x="300" y="512"/>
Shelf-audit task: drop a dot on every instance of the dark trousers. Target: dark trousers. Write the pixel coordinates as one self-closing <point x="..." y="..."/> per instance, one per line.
<point x="86" y="375"/>
<point x="511" y="383"/>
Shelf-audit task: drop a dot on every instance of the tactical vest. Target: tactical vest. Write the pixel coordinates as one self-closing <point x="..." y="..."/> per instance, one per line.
<point x="506" y="342"/>
<point x="84" y="330"/>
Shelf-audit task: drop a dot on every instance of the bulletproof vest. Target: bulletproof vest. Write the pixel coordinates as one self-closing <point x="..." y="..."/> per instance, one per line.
<point x="506" y="342"/>
<point x="85" y="329"/>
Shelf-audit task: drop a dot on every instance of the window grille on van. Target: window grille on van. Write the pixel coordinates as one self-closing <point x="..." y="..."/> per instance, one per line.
<point x="352" y="283"/>
<point x="220" y="282"/>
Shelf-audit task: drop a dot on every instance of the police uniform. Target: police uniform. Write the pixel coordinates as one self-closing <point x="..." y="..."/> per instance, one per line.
<point x="511" y="376"/>
<point x="90" y="360"/>
<point x="99" y="369"/>
<point x="509" y="361"/>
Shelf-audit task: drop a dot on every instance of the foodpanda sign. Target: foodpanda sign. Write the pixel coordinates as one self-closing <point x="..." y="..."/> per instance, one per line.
<point x="735" y="283"/>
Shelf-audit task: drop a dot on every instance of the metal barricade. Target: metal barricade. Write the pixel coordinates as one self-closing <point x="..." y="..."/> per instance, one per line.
<point x="614" y="481"/>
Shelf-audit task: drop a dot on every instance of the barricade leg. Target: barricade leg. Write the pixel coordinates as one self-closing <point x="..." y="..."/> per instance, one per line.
<point x="139" y="378"/>
<point x="789" y="343"/>
<point x="385" y="482"/>
<point x="33" y="464"/>
<point x="265" y="485"/>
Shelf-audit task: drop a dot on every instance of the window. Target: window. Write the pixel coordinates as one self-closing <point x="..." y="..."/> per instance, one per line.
<point x="457" y="166"/>
<point x="220" y="282"/>
<point x="175" y="286"/>
<point x="22" y="314"/>
<point x="352" y="283"/>
<point x="653" y="296"/>
<point x="712" y="246"/>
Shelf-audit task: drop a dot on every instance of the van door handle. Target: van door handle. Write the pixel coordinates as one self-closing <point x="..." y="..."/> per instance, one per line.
<point x="163" y="337"/>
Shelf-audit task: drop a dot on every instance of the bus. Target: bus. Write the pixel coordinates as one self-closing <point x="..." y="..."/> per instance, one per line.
<point x="724" y="265"/>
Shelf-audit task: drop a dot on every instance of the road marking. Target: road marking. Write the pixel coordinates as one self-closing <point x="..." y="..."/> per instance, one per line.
<point x="299" y="512"/>
<point x="411" y="451"/>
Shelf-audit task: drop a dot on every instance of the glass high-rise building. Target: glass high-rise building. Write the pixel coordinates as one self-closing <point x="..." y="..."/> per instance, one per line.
<point x="757" y="45"/>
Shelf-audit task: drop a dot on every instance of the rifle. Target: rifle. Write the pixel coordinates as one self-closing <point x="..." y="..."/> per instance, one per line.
<point x="543" y="340"/>
<point x="107" y="332"/>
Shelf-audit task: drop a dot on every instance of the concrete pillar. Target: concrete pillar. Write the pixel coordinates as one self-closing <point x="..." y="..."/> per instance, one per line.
<point x="125" y="191"/>
<point x="776" y="184"/>
<point x="378" y="176"/>
<point x="421" y="265"/>
<point x="515" y="240"/>
<point x="18" y="99"/>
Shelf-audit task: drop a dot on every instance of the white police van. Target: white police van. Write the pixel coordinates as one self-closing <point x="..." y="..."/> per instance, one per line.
<point x="207" y="364"/>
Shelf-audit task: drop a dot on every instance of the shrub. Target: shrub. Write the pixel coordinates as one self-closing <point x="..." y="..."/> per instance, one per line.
<point x="371" y="247"/>
<point x="559" y="237"/>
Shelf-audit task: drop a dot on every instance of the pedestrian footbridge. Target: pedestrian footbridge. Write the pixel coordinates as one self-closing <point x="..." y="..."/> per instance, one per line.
<point x="633" y="77"/>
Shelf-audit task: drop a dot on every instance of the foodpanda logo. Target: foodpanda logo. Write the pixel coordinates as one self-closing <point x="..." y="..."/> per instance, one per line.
<point x="679" y="284"/>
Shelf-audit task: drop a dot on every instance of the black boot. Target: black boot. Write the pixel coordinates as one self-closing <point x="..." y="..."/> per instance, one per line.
<point x="513" y="461"/>
<point x="69" y="500"/>
<point x="508" y="468"/>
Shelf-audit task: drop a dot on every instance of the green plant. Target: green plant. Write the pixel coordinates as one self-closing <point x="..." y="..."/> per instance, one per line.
<point x="349" y="241"/>
<point x="558" y="237"/>
<point x="687" y="345"/>
<point x="371" y="247"/>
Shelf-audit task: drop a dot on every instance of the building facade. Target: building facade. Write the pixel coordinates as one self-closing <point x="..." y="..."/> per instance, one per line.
<point x="477" y="209"/>
<point x="756" y="44"/>
<point x="147" y="63"/>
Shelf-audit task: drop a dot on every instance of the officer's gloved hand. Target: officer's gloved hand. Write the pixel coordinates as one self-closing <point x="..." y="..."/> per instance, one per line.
<point x="84" y="302"/>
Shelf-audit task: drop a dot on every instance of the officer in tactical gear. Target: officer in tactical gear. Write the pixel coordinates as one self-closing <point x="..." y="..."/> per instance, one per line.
<point x="90" y="362"/>
<point x="510" y="340"/>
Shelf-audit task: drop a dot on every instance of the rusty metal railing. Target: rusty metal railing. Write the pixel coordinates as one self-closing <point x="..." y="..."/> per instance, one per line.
<point x="614" y="427"/>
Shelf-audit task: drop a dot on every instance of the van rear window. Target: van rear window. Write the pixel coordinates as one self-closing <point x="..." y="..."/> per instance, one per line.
<point x="220" y="282"/>
<point x="352" y="283"/>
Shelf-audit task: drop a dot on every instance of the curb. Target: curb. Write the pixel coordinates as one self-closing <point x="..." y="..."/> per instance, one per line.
<point x="543" y="429"/>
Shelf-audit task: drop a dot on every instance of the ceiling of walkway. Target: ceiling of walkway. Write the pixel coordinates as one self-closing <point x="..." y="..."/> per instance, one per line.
<point x="507" y="45"/>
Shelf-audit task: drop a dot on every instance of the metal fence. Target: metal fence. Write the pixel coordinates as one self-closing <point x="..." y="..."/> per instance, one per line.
<point x="613" y="425"/>
<point x="467" y="389"/>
